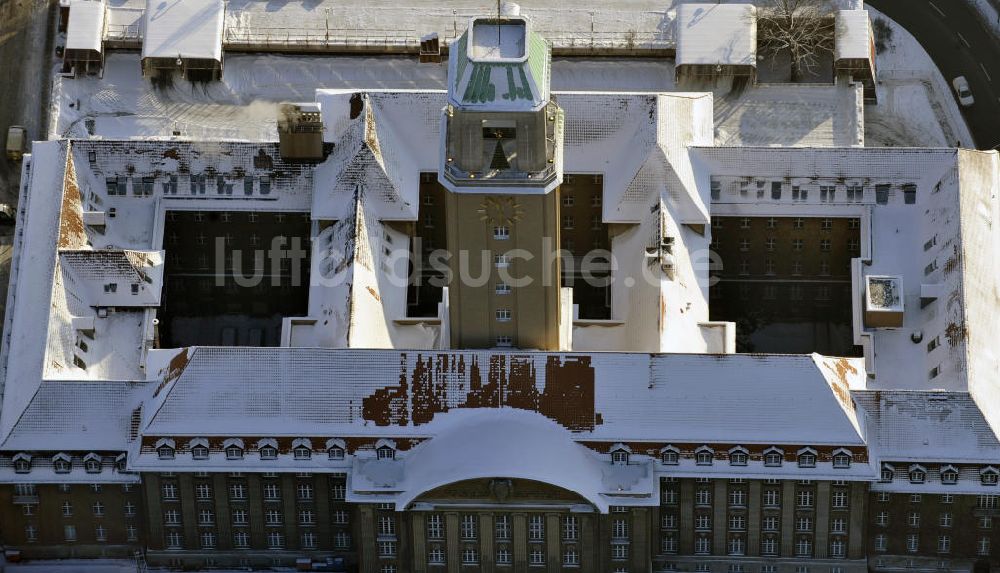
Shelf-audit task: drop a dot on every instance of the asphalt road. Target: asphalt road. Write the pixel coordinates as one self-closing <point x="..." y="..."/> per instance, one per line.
<point x="953" y="34"/>
<point x="27" y="44"/>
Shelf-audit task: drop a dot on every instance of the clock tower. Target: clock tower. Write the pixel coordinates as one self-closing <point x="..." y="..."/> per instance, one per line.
<point x="501" y="163"/>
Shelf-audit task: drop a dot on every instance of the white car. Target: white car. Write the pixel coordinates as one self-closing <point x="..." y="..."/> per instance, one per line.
<point x="962" y="89"/>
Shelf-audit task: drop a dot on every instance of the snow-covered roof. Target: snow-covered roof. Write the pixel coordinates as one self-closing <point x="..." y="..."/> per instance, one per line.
<point x="29" y="295"/>
<point x="116" y="277"/>
<point x="927" y="219"/>
<point x="640" y="142"/>
<point x="371" y="155"/>
<point x="85" y="30"/>
<point x="716" y="34"/>
<point x="184" y="29"/>
<point x="70" y="415"/>
<point x="749" y="399"/>
<point x="499" y="66"/>
<point x="905" y="426"/>
<point x="503" y="443"/>
<point x="853" y="36"/>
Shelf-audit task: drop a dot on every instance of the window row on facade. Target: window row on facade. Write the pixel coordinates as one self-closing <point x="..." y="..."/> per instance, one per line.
<point x="948" y="474"/>
<point x="797" y="223"/>
<point x="769" y="546"/>
<point x="806" y="457"/>
<point x="266" y="449"/>
<point x="824" y="192"/>
<point x="62" y="463"/>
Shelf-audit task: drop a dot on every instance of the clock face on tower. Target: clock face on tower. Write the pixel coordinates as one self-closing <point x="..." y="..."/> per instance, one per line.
<point x="500" y="211"/>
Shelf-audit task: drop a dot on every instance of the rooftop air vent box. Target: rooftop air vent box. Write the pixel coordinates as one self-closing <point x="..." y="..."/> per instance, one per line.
<point x="883" y="301"/>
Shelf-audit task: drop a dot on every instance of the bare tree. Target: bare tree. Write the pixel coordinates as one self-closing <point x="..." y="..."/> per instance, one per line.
<point x="805" y="28"/>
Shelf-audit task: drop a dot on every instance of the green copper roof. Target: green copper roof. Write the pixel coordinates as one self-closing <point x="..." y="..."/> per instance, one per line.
<point x="495" y="82"/>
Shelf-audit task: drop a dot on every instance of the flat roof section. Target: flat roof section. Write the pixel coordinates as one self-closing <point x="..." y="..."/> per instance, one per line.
<point x="85" y="30"/>
<point x="498" y="41"/>
<point x="183" y="29"/>
<point x="723" y="34"/>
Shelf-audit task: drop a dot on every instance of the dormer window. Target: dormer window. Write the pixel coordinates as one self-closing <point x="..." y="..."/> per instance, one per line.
<point x="704" y="456"/>
<point x="61" y="464"/>
<point x="738" y="456"/>
<point x="988" y="475"/>
<point x="841" y="458"/>
<point x="92" y="463"/>
<point x="335" y="449"/>
<point x="918" y="474"/>
<point x="199" y="448"/>
<point x="670" y="456"/>
<point x="165" y="448"/>
<point x="773" y="457"/>
<point x="22" y="463"/>
<point x="120" y="462"/>
<point x="888" y="473"/>
<point x="233" y="448"/>
<point x="268" y="449"/>
<point x="301" y="449"/>
<point x="111" y="288"/>
<point x="619" y="454"/>
<point x="385" y="450"/>
<point x="807" y="458"/>
<point x="949" y="475"/>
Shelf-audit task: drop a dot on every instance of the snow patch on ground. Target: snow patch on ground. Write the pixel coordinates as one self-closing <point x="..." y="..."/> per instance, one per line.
<point x="915" y="106"/>
<point x="990" y="13"/>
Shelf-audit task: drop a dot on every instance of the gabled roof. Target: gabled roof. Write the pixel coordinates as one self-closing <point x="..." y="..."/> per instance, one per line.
<point x="372" y="156"/>
<point x="927" y="426"/>
<point x="76" y="415"/>
<point x="677" y="398"/>
<point x="111" y="265"/>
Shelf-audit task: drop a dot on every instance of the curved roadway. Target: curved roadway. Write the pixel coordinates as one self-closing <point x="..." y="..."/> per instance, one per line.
<point x="954" y="35"/>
